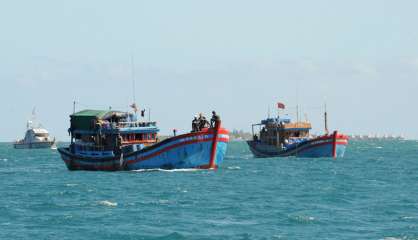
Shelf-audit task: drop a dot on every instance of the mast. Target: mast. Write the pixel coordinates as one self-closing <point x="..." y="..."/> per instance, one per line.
<point x="326" y="119"/>
<point x="133" y="105"/>
<point x="32" y="123"/>
<point x="70" y="131"/>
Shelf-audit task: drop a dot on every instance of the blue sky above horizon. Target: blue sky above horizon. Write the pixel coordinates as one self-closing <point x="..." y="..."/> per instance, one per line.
<point x="237" y="57"/>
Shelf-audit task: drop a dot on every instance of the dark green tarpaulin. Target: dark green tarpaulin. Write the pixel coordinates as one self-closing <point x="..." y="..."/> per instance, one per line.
<point x="84" y="120"/>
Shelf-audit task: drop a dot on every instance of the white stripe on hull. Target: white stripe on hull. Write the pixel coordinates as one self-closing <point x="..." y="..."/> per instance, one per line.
<point x="33" y="145"/>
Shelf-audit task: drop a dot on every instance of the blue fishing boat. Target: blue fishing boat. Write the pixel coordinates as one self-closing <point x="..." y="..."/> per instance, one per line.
<point x="114" y="140"/>
<point x="279" y="137"/>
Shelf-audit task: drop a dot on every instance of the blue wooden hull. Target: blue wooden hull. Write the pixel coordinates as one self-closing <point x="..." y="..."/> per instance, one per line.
<point x="324" y="146"/>
<point x="193" y="150"/>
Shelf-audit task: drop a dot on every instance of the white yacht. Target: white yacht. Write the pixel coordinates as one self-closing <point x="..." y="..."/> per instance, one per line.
<point x="35" y="137"/>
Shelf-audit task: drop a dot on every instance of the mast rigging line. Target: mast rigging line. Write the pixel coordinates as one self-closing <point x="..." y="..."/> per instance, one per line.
<point x="98" y="106"/>
<point x="133" y="78"/>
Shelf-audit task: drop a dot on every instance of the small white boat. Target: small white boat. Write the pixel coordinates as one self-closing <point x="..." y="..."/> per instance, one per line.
<point x="35" y="137"/>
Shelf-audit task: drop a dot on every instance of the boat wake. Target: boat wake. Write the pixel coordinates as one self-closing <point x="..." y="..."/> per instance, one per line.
<point x="168" y="170"/>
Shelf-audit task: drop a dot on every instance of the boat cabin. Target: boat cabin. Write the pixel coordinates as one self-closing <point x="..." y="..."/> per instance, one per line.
<point x="36" y="135"/>
<point x="109" y="133"/>
<point x="281" y="132"/>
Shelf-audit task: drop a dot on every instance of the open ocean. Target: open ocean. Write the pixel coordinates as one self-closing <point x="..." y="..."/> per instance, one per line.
<point x="372" y="193"/>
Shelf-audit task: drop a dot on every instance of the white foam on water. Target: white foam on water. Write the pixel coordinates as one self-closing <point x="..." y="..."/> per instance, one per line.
<point x="391" y="238"/>
<point x="302" y="218"/>
<point x="4" y="159"/>
<point x="379" y="147"/>
<point x="163" y="201"/>
<point x="71" y="184"/>
<point x="234" y="168"/>
<point x="168" y="170"/>
<point x="108" y="203"/>
<point x="278" y="237"/>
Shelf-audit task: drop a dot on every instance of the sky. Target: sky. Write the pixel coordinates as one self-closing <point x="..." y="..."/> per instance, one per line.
<point x="236" y="57"/>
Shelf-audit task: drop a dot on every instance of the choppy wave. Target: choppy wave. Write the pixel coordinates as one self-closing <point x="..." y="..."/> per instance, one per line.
<point x="301" y="218"/>
<point x="108" y="203"/>
<point x="233" y="167"/>
<point x="71" y="184"/>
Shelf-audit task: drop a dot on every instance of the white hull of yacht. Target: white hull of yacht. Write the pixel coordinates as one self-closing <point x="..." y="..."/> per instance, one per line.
<point x="48" y="144"/>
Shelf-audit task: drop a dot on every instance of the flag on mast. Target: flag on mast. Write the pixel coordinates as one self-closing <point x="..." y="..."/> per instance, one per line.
<point x="134" y="107"/>
<point x="280" y="105"/>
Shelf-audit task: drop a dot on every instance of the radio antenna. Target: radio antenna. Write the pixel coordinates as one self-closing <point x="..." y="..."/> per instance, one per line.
<point x="133" y="78"/>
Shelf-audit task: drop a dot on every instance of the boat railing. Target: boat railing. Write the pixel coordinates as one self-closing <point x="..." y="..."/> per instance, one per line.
<point x="113" y="125"/>
<point x="136" y="124"/>
<point x="297" y="125"/>
<point x="89" y="147"/>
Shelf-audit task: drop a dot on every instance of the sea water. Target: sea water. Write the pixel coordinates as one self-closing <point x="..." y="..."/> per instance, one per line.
<point x="372" y="193"/>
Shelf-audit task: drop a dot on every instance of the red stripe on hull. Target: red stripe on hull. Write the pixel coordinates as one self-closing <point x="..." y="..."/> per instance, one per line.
<point x="203" y="132"/>
<point x="321" y="144"/>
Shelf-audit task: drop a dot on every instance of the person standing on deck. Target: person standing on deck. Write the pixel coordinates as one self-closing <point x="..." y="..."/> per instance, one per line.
<point x="215" y="118"/>
<point x="195" y="124"/>
<point x="202" y="122"/>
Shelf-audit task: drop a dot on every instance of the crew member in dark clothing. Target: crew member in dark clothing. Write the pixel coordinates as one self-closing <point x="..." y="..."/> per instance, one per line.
<point x="195" y="124"/>
<point x="215" y="118"/>
<point x="203" y="123"/>
<point x="118" y="144"/>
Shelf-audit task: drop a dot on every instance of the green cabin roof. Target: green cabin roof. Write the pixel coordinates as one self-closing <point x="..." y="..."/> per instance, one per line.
<point x="90" y="113"/>
<point x="86" y="119"/>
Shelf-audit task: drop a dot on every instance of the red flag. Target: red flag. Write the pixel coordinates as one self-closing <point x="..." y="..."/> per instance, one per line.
<point x="280" y="105"/>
